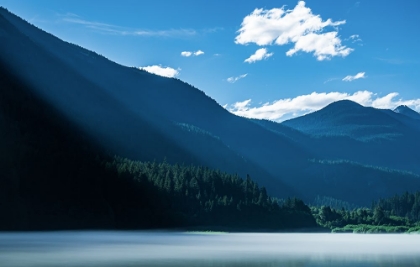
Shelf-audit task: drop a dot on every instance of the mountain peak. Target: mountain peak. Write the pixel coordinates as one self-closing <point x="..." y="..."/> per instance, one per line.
<point x="402" y="108"/>
<point x="405" y="110"/>
<point x="346" y="118"/>
<point x="344" y="104"/>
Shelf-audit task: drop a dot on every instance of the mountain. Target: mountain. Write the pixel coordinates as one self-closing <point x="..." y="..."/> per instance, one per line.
<point x="345" y="130"/>
<point x="52" y="178"/>
<point x="403" y="109"/>
<point x="347" y="118"/>
<point x="135" y="114"/>
<point x="123" y="111"/>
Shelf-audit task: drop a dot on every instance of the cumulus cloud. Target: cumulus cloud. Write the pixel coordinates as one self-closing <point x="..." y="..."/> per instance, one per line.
<point x="287" y="108"/>
<point x="161" y="71"/>
<point x="260" y="54"/>
<point x="186" y="53"/>
<point x="349" y="78"/>
<point x="298" y="26"/>
<point x="235" y="79"/>
<point x="199" y="52"/>
<point x="189" y="53"/>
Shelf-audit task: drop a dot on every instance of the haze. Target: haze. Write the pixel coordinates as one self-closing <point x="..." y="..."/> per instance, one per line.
<point x="205" y="249"/>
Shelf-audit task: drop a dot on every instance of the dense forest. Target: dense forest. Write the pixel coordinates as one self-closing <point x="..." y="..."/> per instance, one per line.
<point x="198" y="196"/>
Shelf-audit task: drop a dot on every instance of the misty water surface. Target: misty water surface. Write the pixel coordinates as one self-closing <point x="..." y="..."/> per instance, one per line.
<point x="200" y="249"/>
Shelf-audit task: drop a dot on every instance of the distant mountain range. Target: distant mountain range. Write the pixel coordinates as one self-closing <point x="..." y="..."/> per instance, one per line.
<point x="345" y="151"/>
<point x="347" y="130"/>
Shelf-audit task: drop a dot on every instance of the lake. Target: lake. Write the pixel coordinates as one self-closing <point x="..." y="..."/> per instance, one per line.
<point x="79" y="248"/>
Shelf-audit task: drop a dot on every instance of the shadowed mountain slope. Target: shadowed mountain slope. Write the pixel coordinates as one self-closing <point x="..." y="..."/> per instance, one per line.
<point x="135" y="114"/>
<point x="54" y="178"/>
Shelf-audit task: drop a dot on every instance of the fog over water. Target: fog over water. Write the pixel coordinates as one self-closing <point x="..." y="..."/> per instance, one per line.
<point x="206" y="249"/>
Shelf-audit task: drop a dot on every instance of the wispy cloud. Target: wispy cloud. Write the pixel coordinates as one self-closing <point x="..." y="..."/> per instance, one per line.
<point x="355" y="38"/>
<point x="298" y="26"/>
<point x="396" y="61"/>
<point x="287" y="108"/>
<point x="350" y="78"/>
<point x="117" y="30"/>
<point x="354" y="7"/>
<point x="161" y="71"/>
<point x="331" y="79"/>
<point x="235" y="79"/>
<point x="260" y="54"/>
<point x="189" y="53"/>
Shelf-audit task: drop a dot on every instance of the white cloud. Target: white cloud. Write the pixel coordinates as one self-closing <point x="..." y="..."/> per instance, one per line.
<point x="161" y="71"/>
<point x="298" y="26"/>
<point x="186" y="53"/>
<point x="242" y="105"/>
<point x="287" y="108"/>
<point x="260" y="54"/>
<point x="235" y="79"/>
<point x="189" y="53"/>
<point x="349" y="78"/>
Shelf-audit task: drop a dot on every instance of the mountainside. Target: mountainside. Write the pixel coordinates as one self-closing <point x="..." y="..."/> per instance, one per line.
<point x="54" y="178"/>
<point x="166" y="99"/>
<point x="137" y="115"/>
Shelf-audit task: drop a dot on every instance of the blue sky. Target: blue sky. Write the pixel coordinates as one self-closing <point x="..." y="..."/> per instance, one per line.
<point x="265" y="59"/>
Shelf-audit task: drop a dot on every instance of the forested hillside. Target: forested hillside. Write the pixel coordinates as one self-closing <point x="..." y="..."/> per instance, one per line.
<point x="202" y="197"/>
<point x="54" y="177"/>
<point x="138" y="115"/>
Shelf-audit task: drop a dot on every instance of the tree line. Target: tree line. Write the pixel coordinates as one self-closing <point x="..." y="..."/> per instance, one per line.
<point x="196" y="196"/>
<point x="400" y="213"/>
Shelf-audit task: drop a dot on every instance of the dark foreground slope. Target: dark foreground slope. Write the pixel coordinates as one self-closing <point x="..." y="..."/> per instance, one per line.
<point x="49" y="176"/>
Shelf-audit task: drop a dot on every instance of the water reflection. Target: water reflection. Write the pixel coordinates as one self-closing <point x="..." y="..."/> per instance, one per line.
<point x="198" y="249"/>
